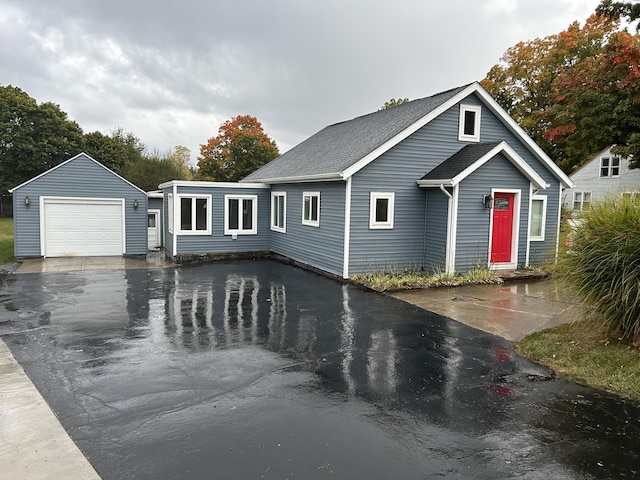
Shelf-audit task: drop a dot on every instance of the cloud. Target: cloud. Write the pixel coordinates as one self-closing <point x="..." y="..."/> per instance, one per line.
<point x="172" y="72"/>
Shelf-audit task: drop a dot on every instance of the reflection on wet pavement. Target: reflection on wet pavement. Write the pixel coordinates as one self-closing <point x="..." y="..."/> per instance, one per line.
<point x="261" y="370"/>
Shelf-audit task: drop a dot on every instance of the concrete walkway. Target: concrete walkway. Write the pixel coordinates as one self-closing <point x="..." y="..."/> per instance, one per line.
<point x="33" y="444"/>
<point x="512" y="310"/>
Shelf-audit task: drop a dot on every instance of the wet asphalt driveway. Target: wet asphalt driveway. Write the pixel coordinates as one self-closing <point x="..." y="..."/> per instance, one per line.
<point x="261" y="370"/>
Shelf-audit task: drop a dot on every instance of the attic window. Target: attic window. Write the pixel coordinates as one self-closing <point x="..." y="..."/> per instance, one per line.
<point x="469" y="130"/>
<point x="610" y="167"/>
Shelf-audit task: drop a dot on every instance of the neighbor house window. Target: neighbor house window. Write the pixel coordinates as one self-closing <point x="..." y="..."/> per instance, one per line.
<point x="195" y="214"/>
<point x="610" y="167"/>
<point x="311" y="209"/>
<point x="538" y="217"/>
<point x="278" y="211"/>
<point x="170" y="211"/>
<point x="581" y="200"/>
<point x="240" y="214"/>
<point x="381" y="210"/>
<point x="469" y="130"/>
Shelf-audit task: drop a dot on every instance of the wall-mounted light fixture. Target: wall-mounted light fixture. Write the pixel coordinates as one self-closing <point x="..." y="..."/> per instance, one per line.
<point x="135" y="203"/>
<point x="487" y="200"/>
<point x="27" y="202"/>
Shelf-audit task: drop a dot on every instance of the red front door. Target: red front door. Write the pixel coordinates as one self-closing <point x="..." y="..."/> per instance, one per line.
<point x="502" y="234"/>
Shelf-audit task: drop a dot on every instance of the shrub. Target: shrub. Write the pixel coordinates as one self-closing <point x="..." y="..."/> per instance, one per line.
<point x="602" y="263"/>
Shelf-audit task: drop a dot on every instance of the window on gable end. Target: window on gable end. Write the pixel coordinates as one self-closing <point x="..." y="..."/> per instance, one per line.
<point x="469" y="130"/>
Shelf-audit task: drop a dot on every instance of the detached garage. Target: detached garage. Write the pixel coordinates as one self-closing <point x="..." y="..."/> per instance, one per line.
<point x="79" y="208"/>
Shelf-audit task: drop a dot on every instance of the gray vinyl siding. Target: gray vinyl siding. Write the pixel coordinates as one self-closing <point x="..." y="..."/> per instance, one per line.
<point x="437" y="208"/>
<point x="472" y="240"/>
<point x="407" y="245"/>
<point x="320" y="247"/>
<point x="217" y="242"/>
<point x="492" y="129"/>
<point x="167" y="235"/>
<point x="80" y="177"/>
<point x="401" y="247"/>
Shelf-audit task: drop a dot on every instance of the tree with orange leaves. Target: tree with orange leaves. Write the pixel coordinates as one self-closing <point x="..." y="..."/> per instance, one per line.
<point x="240" y="147"/>
<point x="575" y="92"/>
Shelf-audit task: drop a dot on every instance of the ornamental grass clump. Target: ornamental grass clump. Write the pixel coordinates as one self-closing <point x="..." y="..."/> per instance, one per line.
<point x="602" y="264"/>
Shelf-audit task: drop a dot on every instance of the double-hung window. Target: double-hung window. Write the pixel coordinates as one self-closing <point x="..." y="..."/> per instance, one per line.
<point x="311" y="209"/>
<point x="610" y="167"/>
<point x="469" y="128"/>
<point x="381" y="206"/>
<point x="538" y="217"/>
<point x="278" y="211"/>
<point x="194" y="214"/>
<point x="581" y="200"/>
<point x="240" y="214"/>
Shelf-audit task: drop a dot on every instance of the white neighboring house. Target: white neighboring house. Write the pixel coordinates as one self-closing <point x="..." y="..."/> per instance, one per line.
<point x="604" y="175"/>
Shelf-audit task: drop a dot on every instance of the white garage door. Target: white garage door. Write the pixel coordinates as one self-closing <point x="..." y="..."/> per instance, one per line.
<point x="83" y="227"/>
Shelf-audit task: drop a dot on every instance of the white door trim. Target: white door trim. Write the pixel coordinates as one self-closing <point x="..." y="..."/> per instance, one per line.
<point x="515" y="233"/>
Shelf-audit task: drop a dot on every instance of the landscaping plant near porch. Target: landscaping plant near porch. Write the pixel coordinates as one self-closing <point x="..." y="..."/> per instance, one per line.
<point x="602" y="264"/>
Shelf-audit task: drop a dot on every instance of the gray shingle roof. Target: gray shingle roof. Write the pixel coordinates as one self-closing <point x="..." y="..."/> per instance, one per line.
<point x="459" y="161"/>
<point x="337" y="147"/>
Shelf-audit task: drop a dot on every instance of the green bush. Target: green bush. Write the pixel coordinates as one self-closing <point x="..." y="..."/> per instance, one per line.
<point x="602" y="263"/>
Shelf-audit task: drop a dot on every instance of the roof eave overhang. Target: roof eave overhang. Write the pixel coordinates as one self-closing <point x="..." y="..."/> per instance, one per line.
<point x="323" y="177"/>
<point x="192" y="183"/>
<point x="517" y="130"/>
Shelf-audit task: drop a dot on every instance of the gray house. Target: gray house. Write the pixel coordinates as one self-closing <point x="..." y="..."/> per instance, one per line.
<point x="443" y="183"/>
<point x="79" y="208"/>
<point x="603" y="175"/>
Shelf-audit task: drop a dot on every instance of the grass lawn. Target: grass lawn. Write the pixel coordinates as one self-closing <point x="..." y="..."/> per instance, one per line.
<point x="582" y="353"/>
<point x="6" y="240"/>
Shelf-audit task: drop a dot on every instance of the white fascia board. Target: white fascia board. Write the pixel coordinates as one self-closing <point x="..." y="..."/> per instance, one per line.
<point x="71" y="159"/>
<point x="489" y="101"/>
<point x="513" y="157"/>
<point x="360" y="164"/>
<point x="194" y="183"/>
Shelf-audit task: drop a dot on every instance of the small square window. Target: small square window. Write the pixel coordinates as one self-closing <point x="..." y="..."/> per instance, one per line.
<point x="469" y="129"/>
<point x="278" y="211"/>
<point x="581" y="200"/>
<point x="381" y="210"/>
<point x="610" y="167"/>
<point x="311" y="209"/>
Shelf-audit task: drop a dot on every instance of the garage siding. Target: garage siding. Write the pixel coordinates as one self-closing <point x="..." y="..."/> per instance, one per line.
<point x="79" y="177"/>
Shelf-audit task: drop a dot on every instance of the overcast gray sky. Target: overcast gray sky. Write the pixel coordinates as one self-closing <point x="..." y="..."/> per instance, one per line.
<point x="171" y="72"/>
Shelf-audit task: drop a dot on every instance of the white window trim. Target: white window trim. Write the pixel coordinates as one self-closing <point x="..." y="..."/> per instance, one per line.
<point x="170" y="213"/>
<point x="193" y="196"/>
<point x="312" y="223"/>
<point x="582" y="193"/>
<point x="254" y="212"/>
<point x="274" y="203"/>
<point x="374" y="197"/>
<point x="538" y="238"/>
<point x="461" y="135"/>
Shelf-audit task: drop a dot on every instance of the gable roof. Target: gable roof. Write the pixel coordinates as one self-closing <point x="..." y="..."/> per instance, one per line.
<point x="339" y="151"/>
<point x="471" y="157"/>
<point x="80" y="155"/>
<point x="337" y="148"/>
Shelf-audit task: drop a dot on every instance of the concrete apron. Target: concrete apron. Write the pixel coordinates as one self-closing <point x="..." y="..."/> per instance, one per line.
<point x="33" y="444"/>
<point x="68" y="264"/>
<point x="512" y="310"/>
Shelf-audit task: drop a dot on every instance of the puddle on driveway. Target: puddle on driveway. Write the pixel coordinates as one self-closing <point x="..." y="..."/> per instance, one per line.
<point x="262" y="370"/>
